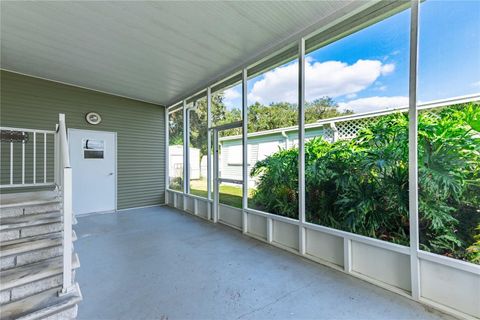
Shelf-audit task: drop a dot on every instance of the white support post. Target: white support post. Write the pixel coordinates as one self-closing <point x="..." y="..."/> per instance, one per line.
<point x="167" y="158"/>
<point x="335" y="132"/>
<point x="269" y="230"/>
<point x="187" y="150"/>
<point x="34" y="157"/>
<point x="412" y="153"/>
<point x="244" y="152"/>
<point x="45" y="158"/>
<point x="347" y="255"/>
<point x="185" y="147"/>
<point x="23" y="162"/>
<point x="67" y="231"/>
<point x="56" y="158"/>
<point x="215" y="176"/>
<point x="301" y="144"/>
<point x="11" y="162"/>
<point x="209" y="150"/>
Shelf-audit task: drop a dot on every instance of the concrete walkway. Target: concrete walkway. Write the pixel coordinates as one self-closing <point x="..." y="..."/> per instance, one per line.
<point x="160" y="263"/>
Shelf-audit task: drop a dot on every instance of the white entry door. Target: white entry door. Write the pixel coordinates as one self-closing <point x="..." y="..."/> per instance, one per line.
<point x="93" y="160"/>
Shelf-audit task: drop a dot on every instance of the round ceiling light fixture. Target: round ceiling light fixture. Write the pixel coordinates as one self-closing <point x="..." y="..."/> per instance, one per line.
<point x="93" y="118"/>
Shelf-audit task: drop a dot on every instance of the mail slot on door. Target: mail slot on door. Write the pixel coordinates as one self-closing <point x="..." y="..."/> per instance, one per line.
<point x="93" y="149"/>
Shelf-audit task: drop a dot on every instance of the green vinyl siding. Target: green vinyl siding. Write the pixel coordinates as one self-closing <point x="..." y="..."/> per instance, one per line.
<point x="27" y="102"/>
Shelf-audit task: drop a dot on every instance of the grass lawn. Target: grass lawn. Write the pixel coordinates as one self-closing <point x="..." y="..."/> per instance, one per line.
<point x="229" y="195"/>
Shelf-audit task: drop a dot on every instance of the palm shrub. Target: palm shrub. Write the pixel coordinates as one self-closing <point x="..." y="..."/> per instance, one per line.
<point x="278" y="183"/>
<point x="361" y="185"/>
<point x="449" y="179"/>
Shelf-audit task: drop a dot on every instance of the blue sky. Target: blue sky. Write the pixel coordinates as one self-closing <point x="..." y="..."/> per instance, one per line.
<point x="368" y="70"/>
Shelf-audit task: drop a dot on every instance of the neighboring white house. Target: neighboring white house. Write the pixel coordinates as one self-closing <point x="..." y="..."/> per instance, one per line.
<point x="175" y="161"/>
<point x="264" y="143"/>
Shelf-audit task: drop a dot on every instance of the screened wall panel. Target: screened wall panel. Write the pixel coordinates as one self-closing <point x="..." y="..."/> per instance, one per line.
<point x="449" y="137"/>
<point x="197" y="144"/>
<point x="272" y="170"/>
<point x="176" y="139"/>
<point x="356" y="170"/>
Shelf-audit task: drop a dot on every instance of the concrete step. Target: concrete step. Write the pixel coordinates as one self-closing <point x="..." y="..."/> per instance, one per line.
<point x="26" y="221"/>
<point x="24" y="203"/>
<point x="12" y="228"/>
<point x="19" y="252"/>
<point x="22" y="275"/>
<point x="44" y="305"/>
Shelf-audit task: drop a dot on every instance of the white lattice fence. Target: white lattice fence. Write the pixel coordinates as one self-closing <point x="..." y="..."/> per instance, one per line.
<point x="349" y="129"/>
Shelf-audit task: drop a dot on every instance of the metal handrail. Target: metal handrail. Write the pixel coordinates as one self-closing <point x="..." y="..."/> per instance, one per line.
<point x="27" y="130"/>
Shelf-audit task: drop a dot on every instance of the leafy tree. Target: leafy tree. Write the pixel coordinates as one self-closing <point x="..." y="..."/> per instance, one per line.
<point x="323" y="108"/>
<point x="260" y="118"/>
<point x="175" y="128"/>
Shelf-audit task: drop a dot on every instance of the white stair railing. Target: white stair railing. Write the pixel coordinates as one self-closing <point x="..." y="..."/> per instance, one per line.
<point x="27" y="166"/>
<point x="20" y="159"/>
<point x="64" y="182"/>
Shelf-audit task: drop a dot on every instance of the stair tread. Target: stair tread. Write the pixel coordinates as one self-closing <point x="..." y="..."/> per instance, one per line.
<point x="35" y="271"/>
<point x="28" y="203"/>
<point x="41" y="304"/>
<point x="20" y="199"/>
<point x="30" y="220"/>
<point x="18" y="246"/>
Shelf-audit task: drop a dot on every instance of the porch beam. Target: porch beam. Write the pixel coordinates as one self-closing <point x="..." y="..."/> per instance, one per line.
<point x="185" y="148"/>
<point x="209" y="151"/>
<point x="301" y="145"/>
<point x="244" y="151"/>
<point x="412" y="153"/>
<point x="167" y="158"/>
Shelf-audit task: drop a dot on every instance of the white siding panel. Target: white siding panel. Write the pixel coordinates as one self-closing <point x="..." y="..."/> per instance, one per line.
<point x="257" y="225"/>
<point x="387" y="266"/>
<point x="450" y="286"/>
<point x="285" y="234"/>
<point x="324" y="246"/>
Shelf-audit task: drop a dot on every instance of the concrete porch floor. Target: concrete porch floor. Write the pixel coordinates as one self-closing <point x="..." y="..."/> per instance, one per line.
<point x="160" y="263"/>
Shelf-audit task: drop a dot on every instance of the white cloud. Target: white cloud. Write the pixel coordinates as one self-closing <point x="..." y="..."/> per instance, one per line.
<point x="476" y="84"/>
<point x="387" y="68"/>
<point x="329" y="78"/>
<point x="232" y="97"/>
<point x="232" y="93"/>
<point x="374" y="103"/>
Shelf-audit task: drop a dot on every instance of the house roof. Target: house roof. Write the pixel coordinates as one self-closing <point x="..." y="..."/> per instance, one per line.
<point x="327" y="122"/>
<point x="154" y="51"/>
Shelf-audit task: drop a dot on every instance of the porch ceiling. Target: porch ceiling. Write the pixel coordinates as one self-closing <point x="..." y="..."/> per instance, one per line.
<point x="153" y="51"/>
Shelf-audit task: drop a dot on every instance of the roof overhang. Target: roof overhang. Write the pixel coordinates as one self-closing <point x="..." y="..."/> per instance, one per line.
<point x="159" y="52"/>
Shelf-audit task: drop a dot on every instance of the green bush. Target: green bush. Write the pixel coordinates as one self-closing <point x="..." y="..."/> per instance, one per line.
<point x="361" y="185"/>
<point x="176" y="183"/>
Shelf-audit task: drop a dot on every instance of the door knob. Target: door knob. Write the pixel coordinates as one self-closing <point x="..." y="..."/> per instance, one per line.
<point x="110" y="174"/>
